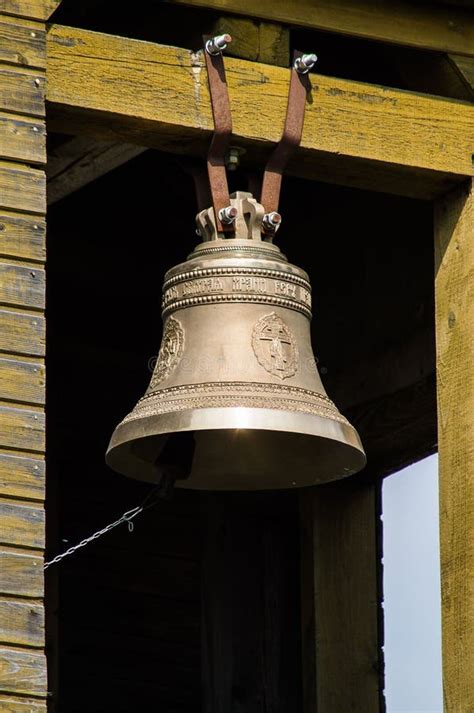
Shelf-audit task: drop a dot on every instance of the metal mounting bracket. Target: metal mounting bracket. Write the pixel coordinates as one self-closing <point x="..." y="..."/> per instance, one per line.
<point x="216" y="167"/>
<point x="291" y="137"/>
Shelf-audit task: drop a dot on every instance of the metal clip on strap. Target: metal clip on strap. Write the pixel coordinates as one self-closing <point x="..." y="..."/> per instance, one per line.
<point x="216" y="167"/>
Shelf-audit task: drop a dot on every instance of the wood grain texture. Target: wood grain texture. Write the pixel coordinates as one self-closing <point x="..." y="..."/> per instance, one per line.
<point x="81" y="160"/>
<point x="9" y="704"/>
<point x="22" y="333"/>
<point x="22" y="672"/>
<point x="22" y="90"/>
<point x="22" y="477"/>
<point x="21" y="623"/>
<point x="22" y="236"/>
<point x="21" y="574"/>
<point x="22" y="188"/>
<point x="454" y="244"/>
<point x="465" y="69"/>
<point x="22" y="429"/>
<point x="22" y="525"/>
<point x="22" y="42"/>
<point x="340" y="598"/>
<point x="35" y="9"/>
<point x="22" y="286"/>
<point x="22" y="381"/>
<point x="403" y="23"/>
<point x="157" y="96"/>
<point x="265" y="42"/>
<point x="22" y="139"/>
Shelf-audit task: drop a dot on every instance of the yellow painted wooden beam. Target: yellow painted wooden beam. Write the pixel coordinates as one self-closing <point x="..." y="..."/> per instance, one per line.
<point x="34" y="9"/>
<point x="454" y="233"/>
<point x="422" y="25"/>
<point x="153" y="95"/>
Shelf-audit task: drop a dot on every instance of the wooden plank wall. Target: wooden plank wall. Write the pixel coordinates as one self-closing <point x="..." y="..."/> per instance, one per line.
<point x="22" y="350"/>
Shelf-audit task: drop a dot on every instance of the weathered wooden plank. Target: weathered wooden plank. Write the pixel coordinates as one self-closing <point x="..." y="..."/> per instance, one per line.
<point x="21" y="623"/>
<point x="158" y="96"/>
<point x="34" y="9"/>
<point x="22" y="333"/>
<point x="22" y="236"/>
<point x="340" y="598"/>
<point x="22" y="672"/>
<point x="22" y="90"/>
<point x="465" y="69"/>
<point x="265" y="42"/>
<point x="249" y="604"/>
<point x="21" y="705"/>
<point x="454" y="231"/>
<point x="22" y="286"/>
<point x="82" y="160"/>
<point x="22" y="139"/>
<point x="396" y="21"/>
<point x="21" y="525"/>
<point x="21" y="574"/>
<point x="22" y="381"/>
<point x="22" y="42"/>
<point x="22" y="429"/>
<point x="22" y="188"/>
<point x="22" y="477"/>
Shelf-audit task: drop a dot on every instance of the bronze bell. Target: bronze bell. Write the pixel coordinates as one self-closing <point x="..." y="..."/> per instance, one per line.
<point x="235" y="401"/>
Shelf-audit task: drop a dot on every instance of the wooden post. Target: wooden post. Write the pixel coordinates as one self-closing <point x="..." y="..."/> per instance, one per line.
<point x="454" y="240"/>
<point x="250" y="609"/>
<point x="341" y="590"/>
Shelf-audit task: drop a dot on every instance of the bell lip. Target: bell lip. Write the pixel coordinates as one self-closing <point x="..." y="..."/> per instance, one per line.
<point x="215" y="419"/>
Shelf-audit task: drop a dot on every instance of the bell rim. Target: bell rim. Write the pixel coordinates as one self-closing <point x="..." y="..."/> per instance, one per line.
<point x="233" y="419"/>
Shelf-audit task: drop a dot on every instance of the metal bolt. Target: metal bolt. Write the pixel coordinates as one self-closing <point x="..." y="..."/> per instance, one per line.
<point x="218" y="44"/>
<point x="37" y="82"/>
<point x="228" y="215"/>
<point x="233" y="157"/>
<point x="304" y="63"/>
<point x="32" y="34"/>
<point x="35" y="129"/>
<point x="272" y="221"/>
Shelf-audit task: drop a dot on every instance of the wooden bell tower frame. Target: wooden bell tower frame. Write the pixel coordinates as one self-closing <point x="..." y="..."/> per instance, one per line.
<point x="363" y="135"/>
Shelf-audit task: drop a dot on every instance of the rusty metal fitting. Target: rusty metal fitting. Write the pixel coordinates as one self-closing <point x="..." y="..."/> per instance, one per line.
<point x="228" y="214"/>
<point x="218" y="44"/>
<point x="304" y="63"/>
<point x="271" y="221"/>
<point x="232" y="159"/>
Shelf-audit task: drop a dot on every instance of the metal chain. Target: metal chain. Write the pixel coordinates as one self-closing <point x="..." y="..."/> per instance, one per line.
<point x="127" y="517"/>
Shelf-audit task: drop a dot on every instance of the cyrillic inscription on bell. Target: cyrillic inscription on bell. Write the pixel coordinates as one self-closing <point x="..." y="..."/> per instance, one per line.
<point x="235" y="401"/>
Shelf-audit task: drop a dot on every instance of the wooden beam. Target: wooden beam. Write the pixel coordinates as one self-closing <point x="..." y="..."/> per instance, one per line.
<point x="464" y="66"/>
<point x="265" y="42"/>
<point x="37" y="9"/>
<point x="81" y="160"/>
<point x="454" y="232"/>
<point x="250" y="637"/>
<point x="373" y="137"/>
<point x="396" y="21"/>
<point x="341" y="613"/>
